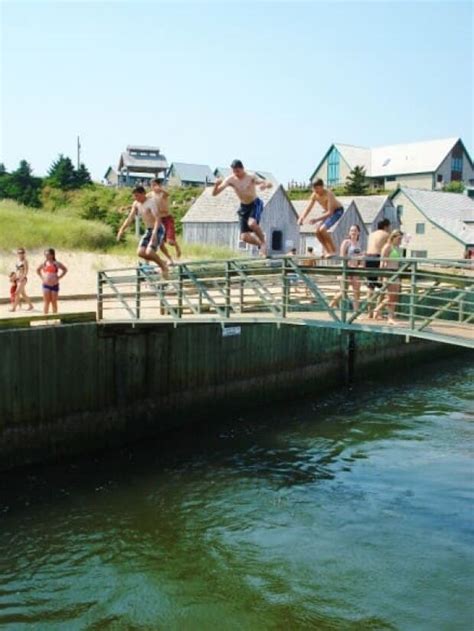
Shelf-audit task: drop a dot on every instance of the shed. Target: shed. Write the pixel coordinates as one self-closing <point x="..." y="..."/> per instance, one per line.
<point x="372" y="209"/>
<point x="187" y="174"/>
<point x="338" y="232"/>
<point x="214" y="220"/>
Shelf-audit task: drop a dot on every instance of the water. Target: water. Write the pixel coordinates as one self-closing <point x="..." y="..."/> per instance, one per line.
<point x="350" y="513"/>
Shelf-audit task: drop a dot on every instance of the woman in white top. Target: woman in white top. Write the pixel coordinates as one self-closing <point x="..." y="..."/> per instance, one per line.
<point x="351" y="249"/>
<point x="22" y="268"/>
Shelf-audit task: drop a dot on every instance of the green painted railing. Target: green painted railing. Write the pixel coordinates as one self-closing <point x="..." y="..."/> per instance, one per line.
<point x="426" y="298"/>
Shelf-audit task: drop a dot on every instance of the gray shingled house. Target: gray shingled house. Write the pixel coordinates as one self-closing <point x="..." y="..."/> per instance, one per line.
<point x="140" y="164"/>
<point x="338" y="232"/>
<point x="372" y="209"/>
<point x="213" y="220"/>
<point x="186" y="174"/>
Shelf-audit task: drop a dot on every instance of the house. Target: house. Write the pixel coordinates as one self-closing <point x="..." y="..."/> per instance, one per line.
<point x="339" y="231"/>
<point x="436" y="224"/>
<point x="214" y="220"/>
<point x="111" y="177"/>
<point x="372" y="209"/>
<point x="138" y="165"/>
<point x="423" y="165"/>
<point x="224" y="172"/>
<point x="185" y="174"/>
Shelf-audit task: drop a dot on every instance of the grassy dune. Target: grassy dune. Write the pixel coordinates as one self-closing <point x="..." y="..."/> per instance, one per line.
<point x="33" y="229"/>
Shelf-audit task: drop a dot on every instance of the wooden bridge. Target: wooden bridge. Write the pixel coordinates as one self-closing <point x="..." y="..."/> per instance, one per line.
<point x="434" y="299"/>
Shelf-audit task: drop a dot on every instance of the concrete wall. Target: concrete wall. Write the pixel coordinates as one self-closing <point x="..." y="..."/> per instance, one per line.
<point x="75" y="388"/>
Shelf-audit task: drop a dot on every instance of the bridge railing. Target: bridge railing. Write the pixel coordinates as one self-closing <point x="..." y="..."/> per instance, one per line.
<point x="418" y="294"/>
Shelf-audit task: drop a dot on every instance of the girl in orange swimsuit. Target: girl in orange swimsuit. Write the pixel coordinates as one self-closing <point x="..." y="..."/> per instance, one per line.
<point x="51" y="272"/>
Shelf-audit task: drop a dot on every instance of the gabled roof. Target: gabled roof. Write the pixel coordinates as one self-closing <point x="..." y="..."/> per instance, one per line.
<point x="368" y="206"/>
<point x="317" y="211"/>
<point x="403" y="159"/>
<point x="198" y="173"/>
<point x="453" y="212"/>
<point x="265" y="175"/>
<point x="222" y="208"/>
<point x="137" y="162"/>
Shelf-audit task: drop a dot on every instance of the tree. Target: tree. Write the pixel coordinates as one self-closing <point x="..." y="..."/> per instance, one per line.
<point x="356" y="183"/>
<point x="22" y="186"/>
<point x="2" y="169"/>
<point x="62" y="174"/>
<point x="83" y="177"/>
<point x="455" y="186"/>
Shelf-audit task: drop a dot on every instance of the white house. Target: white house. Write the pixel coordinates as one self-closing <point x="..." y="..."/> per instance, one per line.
<point x="427" y="165"/>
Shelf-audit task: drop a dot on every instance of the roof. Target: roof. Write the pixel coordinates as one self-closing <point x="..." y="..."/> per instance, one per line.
<point x="199" y="173"/>
<point x="223" y="207"/>
<point x="136" y="162"/>
<point x="403" y="159"/>
<point x="452" y="212"/>
<point x="368" y="206"/>
<point x="142" y="148"/>
<point x="316" y="211"/>
<point x="266" y="175"/>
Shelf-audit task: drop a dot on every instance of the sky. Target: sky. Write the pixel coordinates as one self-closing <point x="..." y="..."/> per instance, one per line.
<point x="272" y="83"/>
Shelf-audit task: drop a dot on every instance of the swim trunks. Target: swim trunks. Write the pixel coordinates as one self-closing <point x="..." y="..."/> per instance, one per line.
<point x="51" y="287"/>
<point x="334" y="218"/>
<point x="253" y="210"/>
<point x="373" y="262"/>
<point x="170" y="229"/>
<point x="145" y="241"/>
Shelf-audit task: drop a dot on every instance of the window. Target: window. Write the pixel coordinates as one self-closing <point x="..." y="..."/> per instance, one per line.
<point x="399" y="212"/>
<point x="419" y="254"/>
<point x="439" y="177"/>
<point x="420" y="228"/>
<point x="391" y="178"/>
<point x="277" y="240"/>
<point x="333" y="167"/>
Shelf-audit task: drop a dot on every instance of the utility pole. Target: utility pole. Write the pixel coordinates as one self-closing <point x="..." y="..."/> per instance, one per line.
<point x="78" y="152"/>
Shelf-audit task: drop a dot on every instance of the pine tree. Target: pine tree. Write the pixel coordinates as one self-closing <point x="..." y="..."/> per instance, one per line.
<point x="22" y="186"/>
<point x="356" y="183"/>
<point x="62" y="174"/>
<point x="83" y="177"/>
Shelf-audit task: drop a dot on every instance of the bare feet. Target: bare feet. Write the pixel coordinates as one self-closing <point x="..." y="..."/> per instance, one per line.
<point x="391" y="321"/>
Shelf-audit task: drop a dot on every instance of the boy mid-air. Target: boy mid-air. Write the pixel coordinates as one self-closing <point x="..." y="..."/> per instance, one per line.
<point x="333" y="211"/>
<point x="251" y="206"/>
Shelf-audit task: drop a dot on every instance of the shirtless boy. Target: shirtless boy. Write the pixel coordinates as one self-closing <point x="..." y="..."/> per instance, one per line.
<point x="333" y="211"/>
<point x="251" y="207"/>
<point x="377" y="239"/>
<point x="147" y="209"/>
<point x="161" y="196"/>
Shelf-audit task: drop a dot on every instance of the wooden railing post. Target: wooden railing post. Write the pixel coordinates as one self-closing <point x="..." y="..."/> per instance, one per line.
<point x="412" y="295"/>
<point x="227" y="289"/>
<point x="285" y="289"/>
<point x="138" y="293"/>
<point x="344" y="291"/>
<point x="100" y="297"/>
<point x="180" y="290"/>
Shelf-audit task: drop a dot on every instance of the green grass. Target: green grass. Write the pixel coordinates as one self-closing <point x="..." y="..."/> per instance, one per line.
<point x="34" y="229"/>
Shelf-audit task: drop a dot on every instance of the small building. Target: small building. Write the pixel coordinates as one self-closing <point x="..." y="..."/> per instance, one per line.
<point x="339" y="231"/>
<point x="224" y="172"/>
<point x="138" y="165"/>
<point x="425" y="165"/>
<point x="372" y="209"/>
<point x="185" y="174"/>
<point x="214" y="221"/>
<point x="436" y="224"/>
<point x="111" y="177"/>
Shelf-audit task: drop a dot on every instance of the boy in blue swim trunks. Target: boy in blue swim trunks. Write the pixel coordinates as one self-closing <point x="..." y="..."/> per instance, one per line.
<point x="333" y="211"/>
<point x="251" y="207"/>
<point x="147" y="209"/>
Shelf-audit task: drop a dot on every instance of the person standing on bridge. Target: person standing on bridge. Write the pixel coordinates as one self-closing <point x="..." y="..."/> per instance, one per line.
<point x="251" y="206"/>
<point x="147" y="209"/>
<point x="333" y="211"/>
<point x="391" y="255"/>
<point x="377" y="239"/>
<point x="161" y="196"/>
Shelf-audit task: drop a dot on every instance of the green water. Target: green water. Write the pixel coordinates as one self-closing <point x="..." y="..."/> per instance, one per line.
<point x="353" y="512"/>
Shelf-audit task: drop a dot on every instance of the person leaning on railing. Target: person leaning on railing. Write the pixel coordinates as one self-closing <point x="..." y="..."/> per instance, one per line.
<point x="390" y="259"/>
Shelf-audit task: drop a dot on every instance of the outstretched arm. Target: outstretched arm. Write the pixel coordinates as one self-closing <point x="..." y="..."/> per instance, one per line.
<point x="219" y="186"/>
<point x="126" y="223"/>
<point x="307" y="210"/>
<point x="262" y="184"/>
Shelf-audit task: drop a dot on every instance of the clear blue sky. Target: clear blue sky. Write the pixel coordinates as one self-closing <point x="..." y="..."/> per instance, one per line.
<point x="274" y="83"/>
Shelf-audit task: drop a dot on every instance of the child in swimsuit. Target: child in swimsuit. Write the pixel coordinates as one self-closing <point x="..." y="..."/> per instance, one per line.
<point x="51" y="272"/>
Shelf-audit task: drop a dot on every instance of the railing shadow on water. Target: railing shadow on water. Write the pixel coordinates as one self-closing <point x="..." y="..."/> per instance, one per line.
<point x="424" y="297"/>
